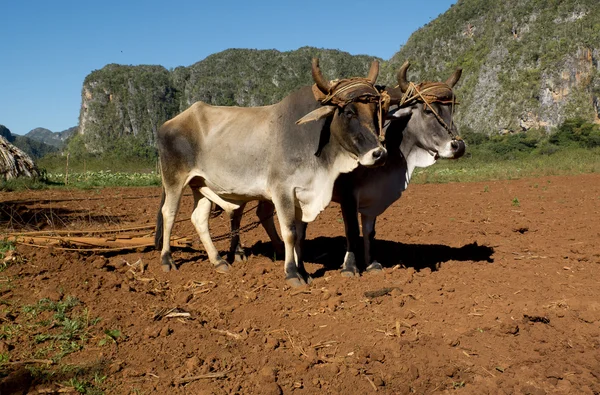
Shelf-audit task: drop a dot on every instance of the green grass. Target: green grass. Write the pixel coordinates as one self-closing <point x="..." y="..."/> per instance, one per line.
<point x="63" y="332"/>
<point x="478" y="166"/>
<point x="5" y="247"/>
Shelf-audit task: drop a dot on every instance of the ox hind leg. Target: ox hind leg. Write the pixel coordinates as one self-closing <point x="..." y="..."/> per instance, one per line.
<point x="236" y="251"/>
<point x="266" y="212"/>
<point x="166" y="218"/>
<point x="293" y="231"/>
<point x="200" y="216"/>
<point x="368" y="229"/>
<point x="349" y="207"/>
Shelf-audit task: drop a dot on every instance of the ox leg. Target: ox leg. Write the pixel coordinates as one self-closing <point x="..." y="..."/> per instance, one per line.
<point x="286" y="213"/>
<point x="368" y="229"/>
<point x="200" y="216"/>
<point x="265" y="212"/>
<point x="236" y="251"/>
<point x="169" y="212"/>
<point x="349" y="212"/>
<point x="300" y="237"/>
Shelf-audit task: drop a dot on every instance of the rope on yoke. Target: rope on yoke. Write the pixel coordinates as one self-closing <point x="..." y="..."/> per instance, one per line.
<point x="413" y="93"/>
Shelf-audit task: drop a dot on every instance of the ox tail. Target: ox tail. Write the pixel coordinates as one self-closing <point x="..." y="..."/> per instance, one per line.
<point x="158" y="231"/>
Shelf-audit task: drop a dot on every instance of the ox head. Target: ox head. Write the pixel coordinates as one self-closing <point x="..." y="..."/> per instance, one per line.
<point x="356" y="108"/>
<point x="428" y="109"/>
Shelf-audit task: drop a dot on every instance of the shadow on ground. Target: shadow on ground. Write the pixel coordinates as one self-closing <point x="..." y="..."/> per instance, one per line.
<point x="330" y="251"/>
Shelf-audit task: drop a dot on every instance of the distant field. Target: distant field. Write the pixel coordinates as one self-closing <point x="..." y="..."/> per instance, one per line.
<point x="477" y="165"/>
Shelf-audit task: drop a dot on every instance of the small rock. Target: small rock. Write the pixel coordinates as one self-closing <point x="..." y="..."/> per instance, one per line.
<point x="509" y="328"/>
<point x="184" y="298"/>
<point x="333" y="368"/>
<point x="271" y="343"/>
<point x="453" y="342"/>
<point x="130" y="372"/>
<point x="378" y="381"/>
<point x="267" y="374"/>
<point x="192" y="363"/>
<point x="450" y="371"/>
<point x="413" y="372"/>
<point x="4" y="347"/>
<point x="554" y="372"/>
<point x="50" y="293"/>
<point x="271" y="389"/>
<point x="151" y="332"/>
<point x="99" y="263"/>
<point x="116" y="367"/>
<point x="531" y="390"/>
<point x="166" y="331"/>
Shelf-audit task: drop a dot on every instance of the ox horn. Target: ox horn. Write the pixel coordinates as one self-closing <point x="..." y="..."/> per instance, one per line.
<point x="373" y="72"/>
<point x="402" y="81"/>
<point x="321" y="82"/>
<point x="453" y="79"/>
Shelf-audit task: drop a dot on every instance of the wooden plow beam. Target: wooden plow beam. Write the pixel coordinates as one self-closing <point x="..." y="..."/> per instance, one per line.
<point x="91" y="243"/>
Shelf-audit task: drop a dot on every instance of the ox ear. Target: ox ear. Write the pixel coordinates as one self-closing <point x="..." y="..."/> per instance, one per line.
<point x="400" y="113"/>
<point x="317" y="114"/>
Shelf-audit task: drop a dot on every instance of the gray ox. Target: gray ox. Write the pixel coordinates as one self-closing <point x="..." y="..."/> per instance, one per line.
<point x="231" y="155"/>
<point x="420" y="132"/>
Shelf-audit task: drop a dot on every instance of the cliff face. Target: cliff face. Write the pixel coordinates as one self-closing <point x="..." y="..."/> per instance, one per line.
<point x="133" y="101"/>
<point x="125" y="101"/>
<point x="527" y="63"/>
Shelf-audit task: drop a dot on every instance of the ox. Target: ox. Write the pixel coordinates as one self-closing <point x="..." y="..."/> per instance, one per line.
<point x="289" y="153"/>
<point x="420" y="131"/>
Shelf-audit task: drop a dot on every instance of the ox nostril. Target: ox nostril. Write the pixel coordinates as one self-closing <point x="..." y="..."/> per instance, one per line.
<point x="377" y="154"/>
<point x="454" y="144"/>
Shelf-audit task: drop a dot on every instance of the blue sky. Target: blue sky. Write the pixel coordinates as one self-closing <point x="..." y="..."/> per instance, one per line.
<point x="48" y="47"/>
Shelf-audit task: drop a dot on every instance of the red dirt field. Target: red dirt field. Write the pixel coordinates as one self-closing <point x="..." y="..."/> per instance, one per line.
<point x="488" y="288"/>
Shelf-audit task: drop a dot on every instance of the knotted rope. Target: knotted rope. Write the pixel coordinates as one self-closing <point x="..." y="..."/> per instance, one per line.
<point x="346" y="91"/>
<point x="424" y="92"/>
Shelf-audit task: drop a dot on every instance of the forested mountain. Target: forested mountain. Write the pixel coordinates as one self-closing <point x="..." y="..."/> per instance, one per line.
<point x="527" y="64"/>
<point x="124" y="105"/>
<point x="55" y="139"/>
<point x="34" y="148"/>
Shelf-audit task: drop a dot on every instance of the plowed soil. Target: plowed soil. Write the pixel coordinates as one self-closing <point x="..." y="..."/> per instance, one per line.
<point x="488" y="288"/>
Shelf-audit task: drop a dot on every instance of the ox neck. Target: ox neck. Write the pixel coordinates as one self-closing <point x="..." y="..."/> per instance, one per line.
<point x="415" y="156"/>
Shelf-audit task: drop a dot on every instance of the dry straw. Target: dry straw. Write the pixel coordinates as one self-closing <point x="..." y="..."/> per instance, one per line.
<point x="14" y="162"/>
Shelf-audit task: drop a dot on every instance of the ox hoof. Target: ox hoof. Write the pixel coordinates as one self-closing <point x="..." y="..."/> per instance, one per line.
<point x="168" y="267"/>
<point x="222" y="267"/>
<point x="240" y="257"/>
<point x="375" y="267"/>
<point x="295" y="282"/>
<point x="350" y="273"/>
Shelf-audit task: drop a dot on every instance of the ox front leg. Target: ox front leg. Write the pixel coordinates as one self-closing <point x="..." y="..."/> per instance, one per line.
<point x="350" y="215"/>
<point x="300" y="237"/>
<point x="167" y="213"/>
<point x="295" y="276"/>
<point x="200" y="217"/>
<point x="266" y="212"/>
<point x="236" y="251"/>
<point x="368" y="229"/>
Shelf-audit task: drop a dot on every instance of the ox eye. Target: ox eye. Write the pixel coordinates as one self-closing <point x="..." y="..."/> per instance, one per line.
<point x="349" y="113"/>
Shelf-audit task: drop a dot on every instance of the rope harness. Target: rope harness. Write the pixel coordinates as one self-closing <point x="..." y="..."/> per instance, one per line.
<point x="346" y="91"/>
<point x="424" y="92"/>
